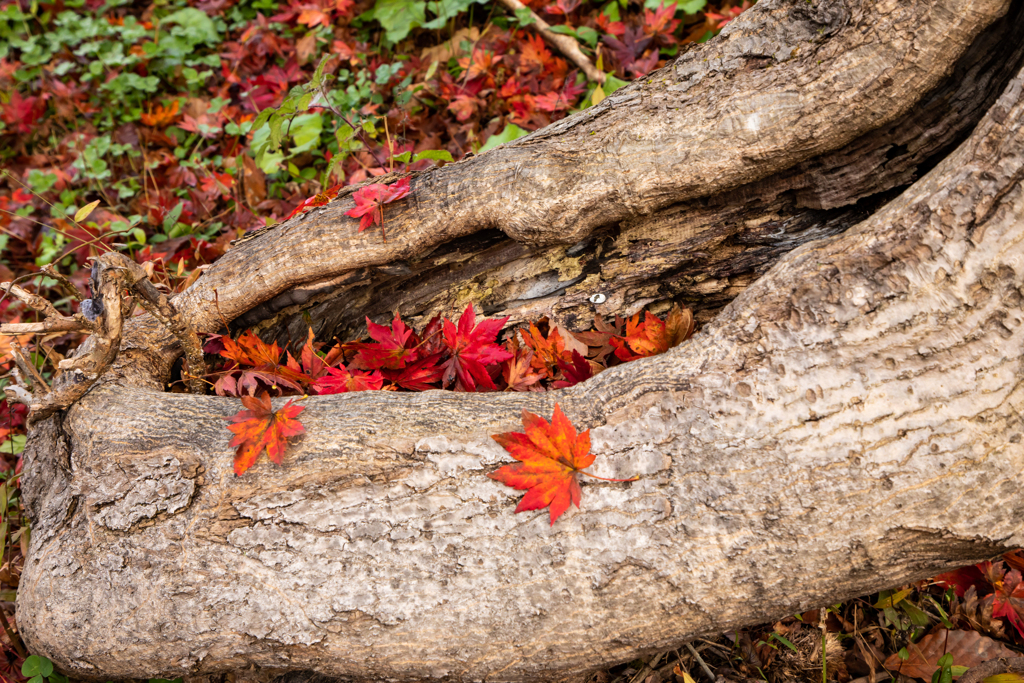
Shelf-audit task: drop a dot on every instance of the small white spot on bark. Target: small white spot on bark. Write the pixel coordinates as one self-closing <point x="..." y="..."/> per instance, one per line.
<point x="754" y="122"/>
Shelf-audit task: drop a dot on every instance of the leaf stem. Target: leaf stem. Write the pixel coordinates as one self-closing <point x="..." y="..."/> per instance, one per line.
<point x="635" y="477"/>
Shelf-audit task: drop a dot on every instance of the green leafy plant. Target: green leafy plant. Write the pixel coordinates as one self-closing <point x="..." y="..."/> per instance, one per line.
<point x="38" y="669"/>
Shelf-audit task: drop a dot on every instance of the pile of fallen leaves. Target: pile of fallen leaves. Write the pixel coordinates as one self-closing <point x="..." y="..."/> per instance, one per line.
<point x="460" y="356"/>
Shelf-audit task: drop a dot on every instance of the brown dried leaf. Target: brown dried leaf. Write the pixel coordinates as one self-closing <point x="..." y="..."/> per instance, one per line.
<point x="969" y="648"/>
<point x="254" y="181"/>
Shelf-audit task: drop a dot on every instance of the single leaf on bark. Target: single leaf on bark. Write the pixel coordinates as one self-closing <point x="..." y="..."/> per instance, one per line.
<point x="550" y="455"/>
<point x="258" y="426"/>
<point x="370" y="200"/>
<point x="320" y="199"/>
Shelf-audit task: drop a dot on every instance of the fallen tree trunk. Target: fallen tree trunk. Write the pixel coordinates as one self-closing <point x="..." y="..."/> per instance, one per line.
<point x="850" y="421"/>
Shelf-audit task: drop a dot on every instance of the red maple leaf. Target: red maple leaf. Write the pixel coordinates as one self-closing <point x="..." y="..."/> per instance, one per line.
<point x="550" y="456"/>
<point x="472" y="348"/>
<point x="546" y="352"/>
<point x="160" y="116"/>
<point x="518" y="371"/>
<point x="575" y="372"/>
<point x="313" y="365"/>
<point x="319" y="199"/>
<point x="601" y="337"/>
<point x="370" y="200"/>
<point x="661" y="23"/>
<point x="534" y="52"/>
<point x="419" y="375"/>
<point x="394" y="345"/>
<point x="340" y="380"/>
<point x="259" y="427"/>
<point x="23" y="112"/>
<point x="1007" y="594"/>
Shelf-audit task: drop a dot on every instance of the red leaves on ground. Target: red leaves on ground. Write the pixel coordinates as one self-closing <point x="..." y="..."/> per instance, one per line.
<point x="1008" y="595"/>
<point x="472" y="348"/>
<point x="258" y="427"/>
<point x="370" y="201"/>
<point x="161" y="116"/>
<point x="550" y="455"/>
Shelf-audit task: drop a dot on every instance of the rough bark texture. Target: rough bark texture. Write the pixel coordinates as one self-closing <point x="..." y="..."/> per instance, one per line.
<point x="850" y="421"/>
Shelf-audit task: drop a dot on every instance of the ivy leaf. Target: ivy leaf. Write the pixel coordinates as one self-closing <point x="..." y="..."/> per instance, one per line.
<point x="259" y="427"/>
<point x="320" y="199"/>
<point x="550" y="456"/>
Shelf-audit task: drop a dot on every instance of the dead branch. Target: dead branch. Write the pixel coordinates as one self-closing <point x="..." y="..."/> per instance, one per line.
<point x="160" y="307"/>
<point x="563" y="43"/>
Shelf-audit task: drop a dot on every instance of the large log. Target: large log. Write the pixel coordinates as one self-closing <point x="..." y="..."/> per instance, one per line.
<point x="850" y="421"/>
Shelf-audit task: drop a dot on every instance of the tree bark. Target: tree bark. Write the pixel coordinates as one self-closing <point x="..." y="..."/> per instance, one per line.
<point x="848" y="418"/>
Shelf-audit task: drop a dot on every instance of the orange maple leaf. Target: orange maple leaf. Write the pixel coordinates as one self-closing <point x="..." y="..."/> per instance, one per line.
<point x="259" y="426"/>
<point x="653" y="335"/>
<point x="547" y="352"/>
<point x="550" y="456"/>
<point x="160" y="115"/>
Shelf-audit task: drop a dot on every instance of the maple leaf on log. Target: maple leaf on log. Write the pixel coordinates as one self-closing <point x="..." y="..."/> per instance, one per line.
<point x="371" y="199"/>
<point x="550" y="455"/>
<point x="260" y="427"/>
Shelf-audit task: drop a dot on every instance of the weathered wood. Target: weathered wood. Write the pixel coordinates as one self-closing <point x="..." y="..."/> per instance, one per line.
<point x="851" y="421"/>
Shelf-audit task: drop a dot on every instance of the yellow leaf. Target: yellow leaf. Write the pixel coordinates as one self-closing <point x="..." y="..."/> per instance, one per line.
<point x="683" y="674"/>
<point x="1005" y="678"/>
<point x="597" y="95"/>
<point x="893" y="599"/>
<point x="84" y="212"/>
